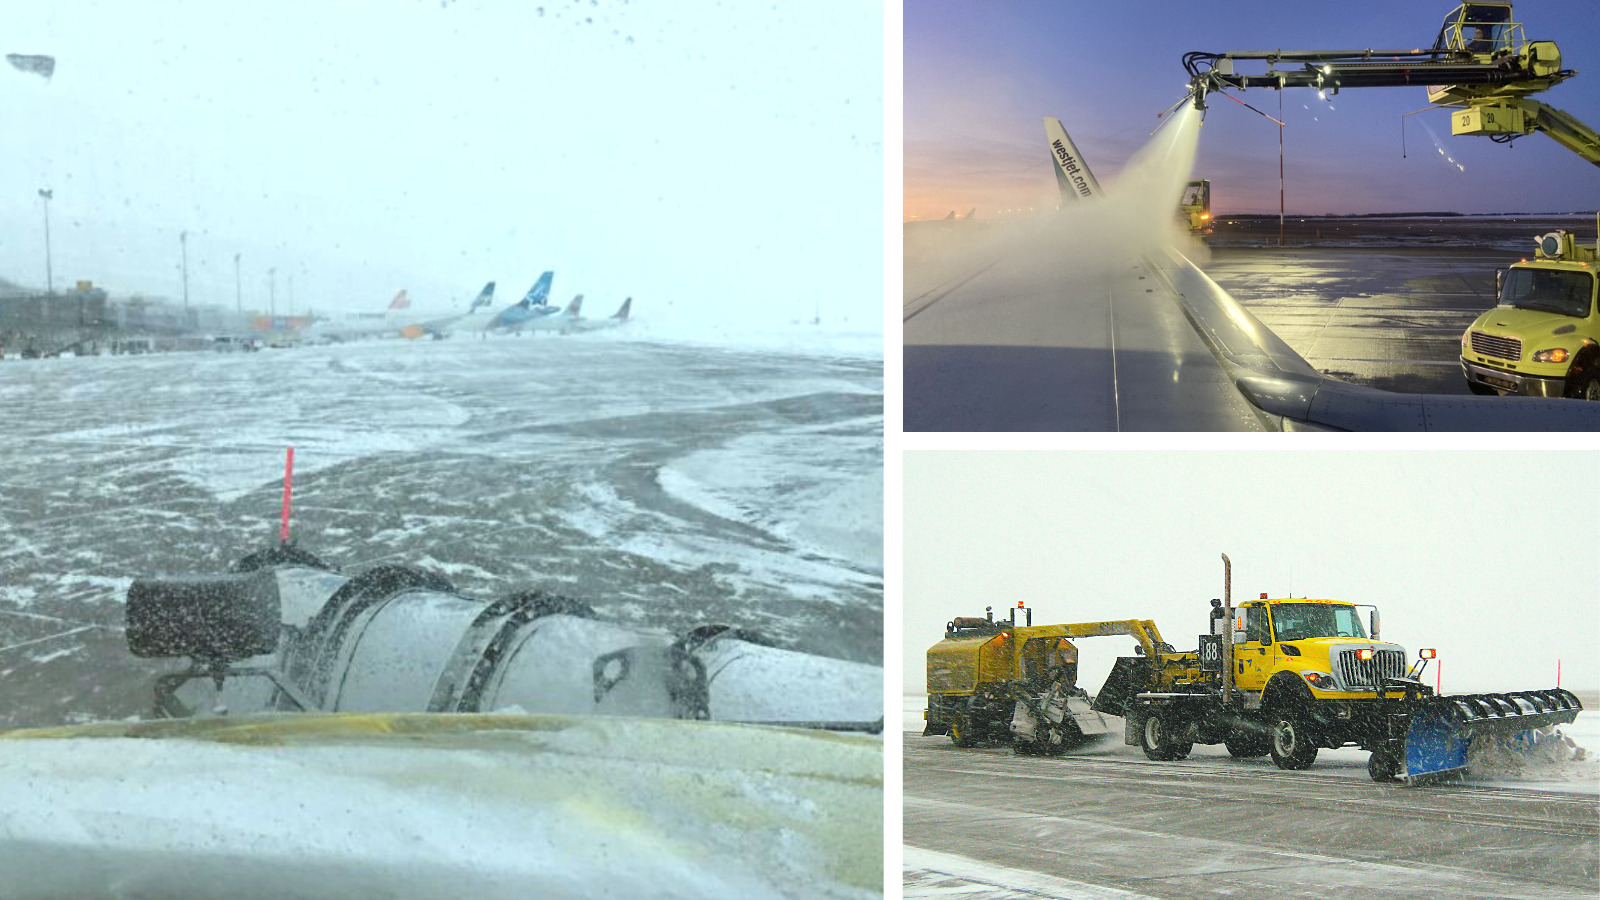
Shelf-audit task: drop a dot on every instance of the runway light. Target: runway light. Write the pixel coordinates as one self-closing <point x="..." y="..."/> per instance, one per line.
<point x="1322" y="94"/>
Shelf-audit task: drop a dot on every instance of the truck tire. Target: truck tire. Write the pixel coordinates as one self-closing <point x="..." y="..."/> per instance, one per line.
<point x="1292" y="746"/>
<point x="1160" y="737"/>
<point x="1482" y="390"/>
<point x="1587" y="385"/>
<point x="961" y="731"/>
<point x="1243" y="744"/>
<point x="1383" y="767"/>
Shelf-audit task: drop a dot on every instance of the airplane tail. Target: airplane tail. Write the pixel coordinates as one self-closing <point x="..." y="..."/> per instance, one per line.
<point x="539" y="294"/>
<point x="1072" y="173"/>
<point x="971" y="214"/>
<point x="951" y="217"/>
<point x="400" y="303"/>
<point x="485" y="298"/>
<point x="574" y="307"/>
<point x="622" y="314"/>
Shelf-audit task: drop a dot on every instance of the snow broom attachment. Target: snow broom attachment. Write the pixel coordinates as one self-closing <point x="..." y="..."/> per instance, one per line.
<point x="1441" y="728"/>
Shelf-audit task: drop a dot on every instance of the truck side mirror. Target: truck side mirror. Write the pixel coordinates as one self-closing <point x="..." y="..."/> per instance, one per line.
<point x="1499" y="283"/>
<point x="1240" y="635"/>
<point x="1372" y="620"/>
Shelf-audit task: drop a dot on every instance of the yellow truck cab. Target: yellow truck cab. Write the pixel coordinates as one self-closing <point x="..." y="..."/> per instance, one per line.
<point x="1542" y="339"/>
<point x="1321" y="645"/>
<point x="1195" y="208"/>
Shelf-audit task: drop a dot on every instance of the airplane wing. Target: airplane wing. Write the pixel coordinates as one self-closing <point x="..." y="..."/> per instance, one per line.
<point x="1074" y="327"/>
<point x="439" y="805"/>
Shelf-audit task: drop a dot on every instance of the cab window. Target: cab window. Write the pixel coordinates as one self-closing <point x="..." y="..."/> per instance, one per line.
<point x="1256" y="628"/>
<point x="1548" y="290"/>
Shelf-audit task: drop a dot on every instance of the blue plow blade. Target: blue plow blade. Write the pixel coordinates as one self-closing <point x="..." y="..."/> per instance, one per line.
<point x="1443" y="727"/>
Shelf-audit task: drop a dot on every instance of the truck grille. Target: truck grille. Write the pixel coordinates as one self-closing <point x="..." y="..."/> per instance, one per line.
<point x="1357" y="673"/>
<point x="1493" y="345"/>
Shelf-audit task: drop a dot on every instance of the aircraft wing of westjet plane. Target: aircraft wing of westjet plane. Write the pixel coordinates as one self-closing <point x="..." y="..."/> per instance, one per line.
<point x="1077" y="328"/>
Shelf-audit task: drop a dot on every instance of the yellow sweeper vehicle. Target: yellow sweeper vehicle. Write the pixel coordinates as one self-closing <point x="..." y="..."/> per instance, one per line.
<point x="1283" y="677"/>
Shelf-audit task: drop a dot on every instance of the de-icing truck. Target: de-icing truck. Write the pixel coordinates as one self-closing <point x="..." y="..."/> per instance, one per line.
<point x="1283" y="677"/>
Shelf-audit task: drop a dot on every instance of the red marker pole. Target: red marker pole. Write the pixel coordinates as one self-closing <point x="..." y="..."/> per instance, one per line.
<point x="1558" y="673"/>
<point x="1437" y="669"/>
<point x="288" y="488"/>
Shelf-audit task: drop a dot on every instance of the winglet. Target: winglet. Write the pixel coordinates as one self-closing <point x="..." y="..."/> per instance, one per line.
<point x="539" y="294"/>
<point x="1072" y="173"/>
<point x="622" y="314"/>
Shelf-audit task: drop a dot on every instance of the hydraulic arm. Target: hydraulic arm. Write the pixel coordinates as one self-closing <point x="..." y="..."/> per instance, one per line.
<point x="1481" y="64"/>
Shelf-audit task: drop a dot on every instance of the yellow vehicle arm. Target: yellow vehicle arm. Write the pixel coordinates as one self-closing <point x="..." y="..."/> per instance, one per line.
<point x="1563" y="127"/>
<point x="1142" y="630"/>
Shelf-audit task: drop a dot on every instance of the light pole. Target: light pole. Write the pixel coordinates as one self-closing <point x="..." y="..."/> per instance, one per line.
<point x="49" y="277"/>
<point x="272" y="292"/>
<point x="183" y="241"/>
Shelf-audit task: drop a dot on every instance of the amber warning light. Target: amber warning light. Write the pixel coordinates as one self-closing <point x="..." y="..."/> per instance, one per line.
<point x="1427" y="654"/>
<point x="1364" y="653"/>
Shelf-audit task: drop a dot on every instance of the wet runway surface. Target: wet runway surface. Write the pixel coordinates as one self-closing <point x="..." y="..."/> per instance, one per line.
<point x="1385" y="318"/>
<point x="666" y="485"/>
<point x="1000" y="338"/>
<point x="985" y="823"/>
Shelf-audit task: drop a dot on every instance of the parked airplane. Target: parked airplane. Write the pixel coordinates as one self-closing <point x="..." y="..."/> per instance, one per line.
<point x="361" y="326"/>
<point x="533" y="307"/>
<point x="564" y="322"/>
<point x="474" y="319"/>
<point x="619" y="318"/>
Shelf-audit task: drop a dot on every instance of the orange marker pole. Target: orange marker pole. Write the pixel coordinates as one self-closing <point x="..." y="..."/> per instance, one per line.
<point x="288" y="488"/>
<point x="1438" y="668"/>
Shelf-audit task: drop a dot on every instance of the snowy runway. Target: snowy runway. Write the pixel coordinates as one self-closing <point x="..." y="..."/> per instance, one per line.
<point x="667" y="485"/>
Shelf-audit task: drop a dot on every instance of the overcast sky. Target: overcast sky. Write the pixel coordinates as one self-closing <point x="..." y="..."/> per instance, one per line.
<point x="979" y="77"/>
<point x="1486" y="556"/>
<point x="725" y="159"/>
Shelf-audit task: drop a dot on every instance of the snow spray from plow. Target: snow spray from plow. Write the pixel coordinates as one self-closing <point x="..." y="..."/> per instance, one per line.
<point x="1442" y="728"/>
<point x="285" y="631"/>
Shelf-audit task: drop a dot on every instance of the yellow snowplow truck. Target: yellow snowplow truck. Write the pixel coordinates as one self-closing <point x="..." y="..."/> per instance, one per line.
<point x="1542" y="339"/>
<point x="1283" y="677"/>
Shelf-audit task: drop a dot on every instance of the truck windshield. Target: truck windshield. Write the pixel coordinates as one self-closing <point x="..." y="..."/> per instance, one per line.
<point x="1546" y="290"/>
<point x="1294" y="621"/>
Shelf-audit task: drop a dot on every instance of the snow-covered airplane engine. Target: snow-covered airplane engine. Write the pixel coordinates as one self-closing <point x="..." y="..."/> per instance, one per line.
<point x="283" y="631"/>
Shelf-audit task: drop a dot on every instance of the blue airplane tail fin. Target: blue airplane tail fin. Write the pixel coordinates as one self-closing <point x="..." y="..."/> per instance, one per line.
<point x="539" y="294"/>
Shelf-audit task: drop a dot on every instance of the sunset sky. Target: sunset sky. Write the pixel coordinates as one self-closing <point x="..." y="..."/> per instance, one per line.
<point x="980" y="77"/>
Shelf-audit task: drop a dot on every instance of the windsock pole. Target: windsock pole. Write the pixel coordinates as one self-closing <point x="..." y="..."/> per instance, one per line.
<point x="288" y="488"/>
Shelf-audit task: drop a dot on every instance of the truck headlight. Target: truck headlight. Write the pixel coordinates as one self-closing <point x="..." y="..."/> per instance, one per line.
<point x="1322" y="681"/>
<point x="1466" y="339"/>
<point x="1553" y="355"/>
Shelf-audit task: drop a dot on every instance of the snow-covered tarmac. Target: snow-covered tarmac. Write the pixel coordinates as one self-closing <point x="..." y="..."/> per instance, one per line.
<point x="1104" y="822"/>
<point x="667" y="484"/>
